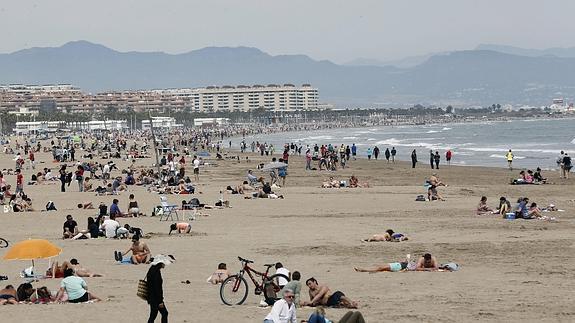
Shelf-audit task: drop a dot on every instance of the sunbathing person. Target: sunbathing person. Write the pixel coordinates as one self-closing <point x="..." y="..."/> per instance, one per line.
<point x="322" y="295"/>
<point x="427" y="263"/>
<point x="389" y="235"/>
<point x="392" y="266"/>
<point x="59" y="269"/>
<point x="86" y="205"/>
<point x="354" y="182"/>
<point x="181" y="227"/>
<point x="8" y="295"/>
<point x="140" y="252"/>
<point x="331" y="183"/>
<point x="219" y="275"/>
<point x="81" y="271"/>
<point x="483" y="208"/>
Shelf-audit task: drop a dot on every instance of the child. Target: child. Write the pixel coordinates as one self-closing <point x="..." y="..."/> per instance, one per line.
<point x="219" y="275"/>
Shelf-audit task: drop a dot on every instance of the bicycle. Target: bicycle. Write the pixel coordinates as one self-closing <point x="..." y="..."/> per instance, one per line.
<point x="3" y="243"/>
<point x="234" y="289"/>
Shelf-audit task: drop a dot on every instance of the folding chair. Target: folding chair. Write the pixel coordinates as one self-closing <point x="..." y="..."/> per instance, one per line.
<point x="168" y="210"/>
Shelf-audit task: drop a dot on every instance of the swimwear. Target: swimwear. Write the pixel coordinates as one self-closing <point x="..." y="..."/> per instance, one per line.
<point x="397" y="266"/>
<point x="334" y="299"/>
<point x="6" y="296"/>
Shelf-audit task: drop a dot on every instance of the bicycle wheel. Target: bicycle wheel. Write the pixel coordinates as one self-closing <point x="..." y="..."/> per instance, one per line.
<point x="234" y="290"/>
<point x="3" y="243"/>
<point x="272" y="287"/>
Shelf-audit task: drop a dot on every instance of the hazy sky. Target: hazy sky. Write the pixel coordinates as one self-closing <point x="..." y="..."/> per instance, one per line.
<point x="323" y="29"/>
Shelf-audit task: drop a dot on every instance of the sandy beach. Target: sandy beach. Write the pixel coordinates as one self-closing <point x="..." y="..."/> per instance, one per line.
<point x="510" y="270"/>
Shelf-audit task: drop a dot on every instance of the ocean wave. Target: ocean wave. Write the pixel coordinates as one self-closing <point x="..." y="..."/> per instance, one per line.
<point x="348" y="138"/>
<point x="504" y="157"/>
<point x="432" y="131"/>
<point x="446" y="128"/>
<point x="389" y="142"/>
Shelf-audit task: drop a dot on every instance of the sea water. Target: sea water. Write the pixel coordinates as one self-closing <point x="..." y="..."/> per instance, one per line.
<point x="535" y="143"/>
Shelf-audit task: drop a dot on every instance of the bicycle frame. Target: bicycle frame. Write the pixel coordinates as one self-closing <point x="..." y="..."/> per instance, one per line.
<point x="251" y="272"/>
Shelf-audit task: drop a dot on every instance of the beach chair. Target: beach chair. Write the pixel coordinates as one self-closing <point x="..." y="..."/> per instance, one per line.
<point x="168" y="210"/>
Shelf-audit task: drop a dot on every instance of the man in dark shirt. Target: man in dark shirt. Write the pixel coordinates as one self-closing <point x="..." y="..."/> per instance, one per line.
<point x="70" y="227"/>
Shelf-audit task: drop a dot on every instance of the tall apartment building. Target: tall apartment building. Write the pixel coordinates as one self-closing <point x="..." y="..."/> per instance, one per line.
<point x="272" y="97"/>
<point x="287" y="97"/>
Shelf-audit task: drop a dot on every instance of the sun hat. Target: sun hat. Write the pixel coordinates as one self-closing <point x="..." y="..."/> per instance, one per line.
<point x="164" y="259"/>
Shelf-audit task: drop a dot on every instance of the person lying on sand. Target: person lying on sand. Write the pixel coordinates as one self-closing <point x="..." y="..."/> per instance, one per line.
<point x="483" y="208"/>
<point x="331" y="183"/>
<point x="219" y="275"/>
<point x="85" y="205"/>
<point x="427" y="263"/>
<point x="74" y="265"/>
<point x="322" y="295"/>
<point x="392" y="267"/>
<point x="8" y="295"/>
<point x="389" y="235"/>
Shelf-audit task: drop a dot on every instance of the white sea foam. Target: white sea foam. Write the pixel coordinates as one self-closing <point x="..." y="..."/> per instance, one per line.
<point x="348" y="138"/>
<point x="432" y="131"/>
<point x="446" y="128"/>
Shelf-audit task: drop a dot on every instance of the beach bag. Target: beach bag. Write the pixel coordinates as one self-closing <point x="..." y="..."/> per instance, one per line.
<point x="420" y="198"/>
<point x="142" y="289"/>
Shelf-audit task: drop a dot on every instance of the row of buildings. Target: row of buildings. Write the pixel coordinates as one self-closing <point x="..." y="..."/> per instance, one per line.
<point x="29" y="99"/>
<point x="37" y="127"/>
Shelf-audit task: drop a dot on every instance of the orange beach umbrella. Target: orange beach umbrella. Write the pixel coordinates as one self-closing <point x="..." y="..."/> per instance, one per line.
<point x="32" y="249"/>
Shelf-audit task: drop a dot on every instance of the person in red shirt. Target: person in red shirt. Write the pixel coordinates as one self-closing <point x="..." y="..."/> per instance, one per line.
<point x="448" y="157"/>
<point x="19" y="182"/>
<point x="32" y="158"/>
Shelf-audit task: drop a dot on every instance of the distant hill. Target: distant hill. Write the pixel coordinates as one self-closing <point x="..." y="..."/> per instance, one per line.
<point x="559" y="52"/>
<point x="465" y="77"/>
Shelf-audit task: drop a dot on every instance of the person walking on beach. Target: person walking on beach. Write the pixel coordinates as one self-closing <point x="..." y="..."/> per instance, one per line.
<point x="566" y="165"/>
<point x="80" y="178"/>
<point x="431" y="158"/>
<point x="448" y="156"/>
<point x="509" y="157"/>
<point x="353" y="151"/>
<point x="369" y="153"/>
<point x="387" y="154"/>
<point x="308" y="160"/>
<point x="413" y="158"/>
<point x="376" y="152"/>
<point x="196" y="164"/>
<point x="560" y="162"/>
<point x="393" y="153"/>
<point x="63" y="176"/>
<point x="436" y="159"/>
<point x="155" y="290"/>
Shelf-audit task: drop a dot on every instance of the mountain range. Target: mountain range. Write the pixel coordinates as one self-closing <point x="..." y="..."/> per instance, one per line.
<point x="486" y="75"/>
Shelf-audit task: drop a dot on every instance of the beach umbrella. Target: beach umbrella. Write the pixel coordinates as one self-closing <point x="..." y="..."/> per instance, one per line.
<point x="32" y="249"/>
<point x="274" y="165"/>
